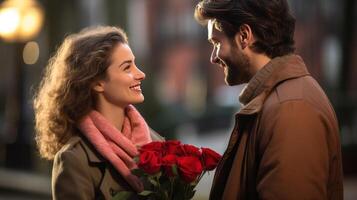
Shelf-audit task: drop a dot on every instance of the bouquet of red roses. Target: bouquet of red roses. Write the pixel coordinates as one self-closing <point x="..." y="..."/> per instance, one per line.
<point x="171" y="170"/>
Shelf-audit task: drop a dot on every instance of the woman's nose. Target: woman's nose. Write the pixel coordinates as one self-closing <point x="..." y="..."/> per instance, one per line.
<point x="140" y="75"/>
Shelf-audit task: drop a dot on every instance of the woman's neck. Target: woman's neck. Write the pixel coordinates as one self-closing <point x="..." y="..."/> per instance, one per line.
<point x="114" y="114"/>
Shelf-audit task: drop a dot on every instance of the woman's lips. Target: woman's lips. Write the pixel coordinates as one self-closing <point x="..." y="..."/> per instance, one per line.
<point x="136" y="87"/>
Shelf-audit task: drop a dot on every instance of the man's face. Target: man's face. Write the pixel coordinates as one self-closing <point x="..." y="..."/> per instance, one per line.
<point x="229" y="56"/>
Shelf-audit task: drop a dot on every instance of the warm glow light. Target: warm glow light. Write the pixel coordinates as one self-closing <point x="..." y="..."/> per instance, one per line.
<point x="20" y="20"/>
<point x="30" y="21"/>
<point x="9" y="21"/>
<point x="31" y="53"/>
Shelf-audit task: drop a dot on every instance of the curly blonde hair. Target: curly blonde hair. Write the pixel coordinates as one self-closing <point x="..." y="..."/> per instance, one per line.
<point x="65" y="93"/>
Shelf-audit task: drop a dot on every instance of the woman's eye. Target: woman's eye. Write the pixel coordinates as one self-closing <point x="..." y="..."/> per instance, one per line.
<point x="126" y="67"/>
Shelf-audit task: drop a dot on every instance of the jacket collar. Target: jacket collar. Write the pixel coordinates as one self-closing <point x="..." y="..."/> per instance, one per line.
<point x="92" y="154"/>
<point x="259" y="87"/>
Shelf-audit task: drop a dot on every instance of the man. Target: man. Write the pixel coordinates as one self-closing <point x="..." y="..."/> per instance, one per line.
<point x="285" y="143"/>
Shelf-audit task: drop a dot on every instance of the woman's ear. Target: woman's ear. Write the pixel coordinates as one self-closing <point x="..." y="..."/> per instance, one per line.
<point x="98" y="86"/>
<point x="244" y="36"/>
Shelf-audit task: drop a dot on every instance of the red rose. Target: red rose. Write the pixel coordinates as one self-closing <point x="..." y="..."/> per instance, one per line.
<point x="153" y="146"/>
<point x="189" y="150"/>
<point x="171" y="146"/>
<point x="210" y="158"/>
<point x="190" y="168"/>
<point x="150" y="162"/>
<point x="167" y="162"/>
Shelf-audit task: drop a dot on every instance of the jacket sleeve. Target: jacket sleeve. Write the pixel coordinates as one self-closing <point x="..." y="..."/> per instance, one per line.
<point x="70" y="179"/>
<point x="294" y="153"/>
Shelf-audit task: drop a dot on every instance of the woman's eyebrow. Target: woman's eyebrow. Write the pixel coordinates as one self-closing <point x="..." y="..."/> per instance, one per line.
<point x="126" y="62"/>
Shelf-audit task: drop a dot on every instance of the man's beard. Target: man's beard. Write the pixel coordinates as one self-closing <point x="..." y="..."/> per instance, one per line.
<point x="238" y="69"/>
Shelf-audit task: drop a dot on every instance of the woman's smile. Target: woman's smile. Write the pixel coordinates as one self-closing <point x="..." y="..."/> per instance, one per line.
<point x="136" y="88"/>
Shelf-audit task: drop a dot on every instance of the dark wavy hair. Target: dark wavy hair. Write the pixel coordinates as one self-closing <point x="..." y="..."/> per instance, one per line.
<point x="270" y="20"/>
<point x="65" y="93"/>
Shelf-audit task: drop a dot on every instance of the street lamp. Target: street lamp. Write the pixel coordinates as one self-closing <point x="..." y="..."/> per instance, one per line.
<point x="20" y="21"/>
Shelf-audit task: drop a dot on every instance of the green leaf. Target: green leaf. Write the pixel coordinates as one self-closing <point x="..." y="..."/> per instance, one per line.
<point x="123" y="195"/>
<point x="174" y="170"/>
<point x="138" y="172"/>
<point x="157" y="175"/>
<point x="153" y="181"/>
<point x="145" y="193"/>
<point x="136" y="159"/>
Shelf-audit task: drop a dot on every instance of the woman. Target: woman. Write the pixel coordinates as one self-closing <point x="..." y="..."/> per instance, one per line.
<point x="85" y="120"/>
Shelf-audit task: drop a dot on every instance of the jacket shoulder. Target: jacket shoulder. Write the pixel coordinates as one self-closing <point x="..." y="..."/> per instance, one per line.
<point x="71" y="173"/>
<point x="305" y="89"/>
<point x="71" y="154"/>
<point x="290" y="90"/>
<point x="71" y="146"/>
<point x="302" y="88"/>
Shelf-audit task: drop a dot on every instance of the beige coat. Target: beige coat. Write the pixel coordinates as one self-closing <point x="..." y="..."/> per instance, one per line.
<point x="81" y="173"/>
<point x="285" y="144"/>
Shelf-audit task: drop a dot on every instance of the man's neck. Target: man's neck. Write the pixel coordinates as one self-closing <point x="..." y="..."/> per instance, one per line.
<point x="258" y="61"/>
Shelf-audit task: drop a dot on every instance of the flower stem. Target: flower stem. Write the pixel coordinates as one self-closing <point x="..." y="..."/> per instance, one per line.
<point x="202" y="174"/>
<point x="185" y="191"/>
<point x="158" y="183"/>
<point x="171" y="188"/>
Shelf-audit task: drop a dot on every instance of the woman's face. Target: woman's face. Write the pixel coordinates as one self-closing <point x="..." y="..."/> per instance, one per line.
<point x="122" y="85"/>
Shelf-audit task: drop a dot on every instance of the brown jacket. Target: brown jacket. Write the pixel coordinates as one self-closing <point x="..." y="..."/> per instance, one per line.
<point x="81" y="173"/>
<point x="285" y="144"/>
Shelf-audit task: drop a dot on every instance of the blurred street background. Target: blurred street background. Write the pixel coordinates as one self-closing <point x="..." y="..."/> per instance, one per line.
<point x="185" y="95"/>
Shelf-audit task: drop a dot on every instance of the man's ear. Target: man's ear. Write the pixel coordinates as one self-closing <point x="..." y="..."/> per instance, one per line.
<point x="244" y="36"/>
<point x="98" y="86"/>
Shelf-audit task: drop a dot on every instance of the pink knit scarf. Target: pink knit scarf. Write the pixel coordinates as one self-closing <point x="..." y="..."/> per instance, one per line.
<point x="118" y="147"/>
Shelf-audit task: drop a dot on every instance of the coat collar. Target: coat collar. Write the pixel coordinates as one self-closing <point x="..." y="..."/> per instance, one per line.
<point x="92" y="154"/>
<point x="277" y="70"/>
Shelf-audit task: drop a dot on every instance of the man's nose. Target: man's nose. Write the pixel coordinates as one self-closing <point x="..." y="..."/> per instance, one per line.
<point x="214" y="57"/>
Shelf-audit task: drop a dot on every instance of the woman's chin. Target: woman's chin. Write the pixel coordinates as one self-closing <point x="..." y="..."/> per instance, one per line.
<point x="139" y="100"/>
